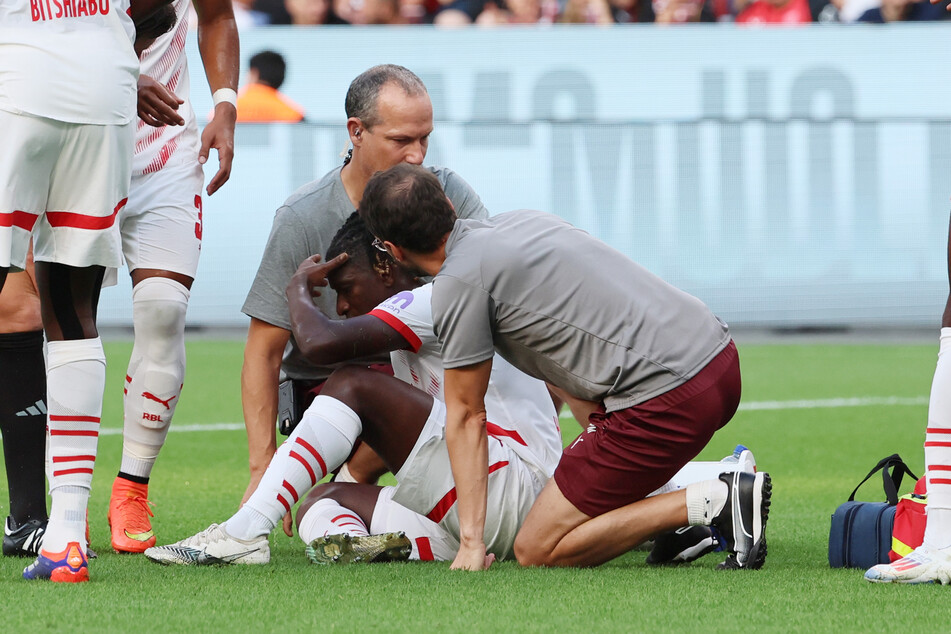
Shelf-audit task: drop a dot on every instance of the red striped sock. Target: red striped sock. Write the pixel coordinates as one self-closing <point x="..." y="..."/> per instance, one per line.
<point x="938" y="450"/>
<point x="76" y="376"/>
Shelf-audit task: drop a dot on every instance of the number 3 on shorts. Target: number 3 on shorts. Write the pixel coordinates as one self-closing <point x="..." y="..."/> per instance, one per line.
<point x="198" y="224"/>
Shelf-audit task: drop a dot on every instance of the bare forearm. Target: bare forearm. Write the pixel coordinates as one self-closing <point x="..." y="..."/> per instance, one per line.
<point x="469" y="456"/>
<point x="259" y="378"/>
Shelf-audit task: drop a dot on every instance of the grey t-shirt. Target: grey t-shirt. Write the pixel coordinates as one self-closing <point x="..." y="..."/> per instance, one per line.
<point x="564" y="307"/>
<point x="304" y="226"/>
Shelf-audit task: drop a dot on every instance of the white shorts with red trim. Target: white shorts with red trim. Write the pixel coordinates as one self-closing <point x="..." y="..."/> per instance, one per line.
<point x="431" y="542"/>
<point x="64" y="184"/>
<point x="161" y="226"/>
<point x="425" y="485"/>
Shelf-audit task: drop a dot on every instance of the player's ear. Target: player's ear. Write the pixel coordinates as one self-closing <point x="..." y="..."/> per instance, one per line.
<point x="355" y="130"/>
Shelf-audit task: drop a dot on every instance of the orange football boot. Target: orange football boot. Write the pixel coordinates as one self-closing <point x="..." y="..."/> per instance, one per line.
<point x="129" y="515"/>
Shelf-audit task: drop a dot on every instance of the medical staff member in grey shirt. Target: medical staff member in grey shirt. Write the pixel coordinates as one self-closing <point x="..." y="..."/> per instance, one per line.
<point x="390" y="118"/>
<point x="659" y="370"/>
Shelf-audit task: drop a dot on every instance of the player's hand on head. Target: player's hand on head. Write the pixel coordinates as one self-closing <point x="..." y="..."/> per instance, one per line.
<point x="156" y="104"/>
<point x="313" y="272"/>
<point x="219" y="134"/>
<point x="472" y="559"/>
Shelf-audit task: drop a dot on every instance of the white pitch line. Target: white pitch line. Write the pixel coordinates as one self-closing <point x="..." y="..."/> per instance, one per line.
<point x="869" y="401"/>
<point x="752" y="406"/>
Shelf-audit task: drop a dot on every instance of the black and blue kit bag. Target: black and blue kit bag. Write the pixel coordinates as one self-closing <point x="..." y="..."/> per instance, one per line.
<point x="861" y="533"/>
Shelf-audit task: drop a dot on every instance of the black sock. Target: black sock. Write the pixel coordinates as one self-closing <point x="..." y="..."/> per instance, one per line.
<point x="23" y="423"/>
<point x="132" y="478"/>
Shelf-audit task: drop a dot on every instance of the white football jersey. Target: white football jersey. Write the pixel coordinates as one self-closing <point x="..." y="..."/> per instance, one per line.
<point x="519" y="410"/>
<point x="165" y="62"/>
<point x="68" y="60"/>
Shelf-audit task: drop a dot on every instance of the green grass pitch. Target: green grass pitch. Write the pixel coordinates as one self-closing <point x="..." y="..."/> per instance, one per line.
<point x="815" y="447"/>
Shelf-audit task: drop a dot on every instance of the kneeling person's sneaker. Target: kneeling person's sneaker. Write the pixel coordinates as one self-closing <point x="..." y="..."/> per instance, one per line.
<point x="683" y="545"/>
<point x="129" y="513"/>
<point x="211" y="547"/>
<point x="742" y="521"/>
<point x="350" y="549"/>
<point x="922" y="565"/>
<point x="24" y="540"/>
<point x="69" y="566"/>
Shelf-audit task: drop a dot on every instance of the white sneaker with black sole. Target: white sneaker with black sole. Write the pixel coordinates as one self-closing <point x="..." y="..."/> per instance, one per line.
<point x="212" y="547"/>
<point x="742" y="521"/>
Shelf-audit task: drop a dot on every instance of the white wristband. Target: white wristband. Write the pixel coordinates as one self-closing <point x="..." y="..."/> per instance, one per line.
<point x="225" y="95"/>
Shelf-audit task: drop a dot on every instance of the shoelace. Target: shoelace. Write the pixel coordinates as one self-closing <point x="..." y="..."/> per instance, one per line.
<point x="210" y="534"/>
<point x="131" y="508"/>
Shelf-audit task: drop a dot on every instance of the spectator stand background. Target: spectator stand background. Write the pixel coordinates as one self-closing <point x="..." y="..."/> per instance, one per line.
<point x="788" y="177"/>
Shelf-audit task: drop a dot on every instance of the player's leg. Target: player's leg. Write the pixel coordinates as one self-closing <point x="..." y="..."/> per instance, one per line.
<point x="75" y="377"/>
<point x="931" y="562"/>
<point x="347" y="523"/>
<point x="161" y="237"/>
<point x="593" y="511"/>
<point x="354" y="402"/>
<point x="334" y="522"/>
<point x="23" y="413"/>
<point x="72" y="247"/>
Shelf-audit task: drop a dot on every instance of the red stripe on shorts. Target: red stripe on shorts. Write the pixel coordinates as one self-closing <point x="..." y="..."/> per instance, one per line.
<point x="21" y="219"/>
<point x="59" y="219"/>
<point x="494" y="430"/>
<point x="425" y="549"/>
<point x="442" y="506"/>
<point x="937" y="430"/>
<point x="939" y="467"/>
<point x="934" y="443"/>
<point x="393" y="322"/>
<point x="939" y="481"/>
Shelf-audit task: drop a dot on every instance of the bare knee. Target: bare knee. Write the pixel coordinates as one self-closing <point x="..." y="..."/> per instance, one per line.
<point x="348" y="384"/>
<point x="529" y="553"/>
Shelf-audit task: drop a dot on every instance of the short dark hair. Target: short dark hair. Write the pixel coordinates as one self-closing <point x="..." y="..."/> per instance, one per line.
<point x="406" y="205"/>
<point x="354" y="239"/>
<point x="364" y="91"/>
<point x="271" y="68"/>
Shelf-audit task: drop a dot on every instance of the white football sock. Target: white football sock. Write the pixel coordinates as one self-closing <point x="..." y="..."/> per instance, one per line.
<point x="320" y="443"/>
<point x="705" y="500"/>
<point x="156" y="371"/>
<point x="328" y="517"/>
<point x="938" y="450"/>
<point x="76" y="377"/>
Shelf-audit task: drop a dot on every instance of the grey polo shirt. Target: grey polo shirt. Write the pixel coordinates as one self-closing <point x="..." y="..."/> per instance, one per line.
<point x="305" y="225"/>
<point x="564" y="307"/>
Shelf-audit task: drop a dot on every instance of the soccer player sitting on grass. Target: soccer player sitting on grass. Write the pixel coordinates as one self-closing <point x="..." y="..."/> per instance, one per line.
<point x="401" y="419"/>
<point x="564" y="307"/>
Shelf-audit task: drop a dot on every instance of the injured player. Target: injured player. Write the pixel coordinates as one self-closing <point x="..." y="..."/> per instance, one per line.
<point x="402" y="419"/>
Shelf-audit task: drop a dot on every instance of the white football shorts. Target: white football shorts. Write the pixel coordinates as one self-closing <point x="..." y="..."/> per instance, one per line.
<point x="64" y="184"/>
<point x="431" y="542"/>
<point x="161" y="226"/>
<point x="425" y="486"/>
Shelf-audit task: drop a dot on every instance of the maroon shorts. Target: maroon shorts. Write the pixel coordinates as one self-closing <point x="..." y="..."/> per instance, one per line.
<point x="623" y="456"/>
